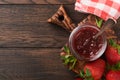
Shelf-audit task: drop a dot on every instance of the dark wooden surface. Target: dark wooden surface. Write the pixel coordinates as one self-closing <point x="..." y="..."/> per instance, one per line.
<point x="29" y="46"/>
<point x="37" y="1"/>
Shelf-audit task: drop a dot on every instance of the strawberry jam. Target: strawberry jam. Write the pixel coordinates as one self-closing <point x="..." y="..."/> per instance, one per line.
<point x="83" y="43"/>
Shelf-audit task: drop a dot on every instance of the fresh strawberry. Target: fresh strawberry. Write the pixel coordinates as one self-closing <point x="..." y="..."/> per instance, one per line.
<point x="96" y="68"/>
<point x="113" y="75"/>
<point x="78" y="79"/>
<point x="112" y="53"/>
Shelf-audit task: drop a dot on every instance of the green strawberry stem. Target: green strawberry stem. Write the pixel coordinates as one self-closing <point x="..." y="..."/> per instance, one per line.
<point x="113" y="67"/>
<point x="74" y="62"/>
<point x="99" y="22"/>
<point x="114" y="44"/>
<point x="66" y="49"/>
<point x="68" y="58"/>
<point x="86" y="75"/>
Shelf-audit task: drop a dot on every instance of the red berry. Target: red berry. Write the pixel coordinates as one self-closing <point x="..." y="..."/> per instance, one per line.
<point x="113" y="75"/>
<point x="96" y="68"/>
<point x="112" y="55"/>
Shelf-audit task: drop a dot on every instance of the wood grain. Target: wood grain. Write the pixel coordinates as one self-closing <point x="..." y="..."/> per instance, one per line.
<point x="32" y="64"/>
<point x="29" y="46"/>
<point x="37" y="1"/>
<point x="26" y="26"/>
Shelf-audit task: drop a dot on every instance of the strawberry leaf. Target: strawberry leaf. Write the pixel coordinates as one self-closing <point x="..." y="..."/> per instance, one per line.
<point x="68" y="58"/>
<point x="82" y="74"/>
<point x="66" y="61"/>
<point x="117" y="66"/>
<point x="66" y="49"/>
<point x="114" y="67"/>
<point x="119" y="51"/>
<point x="118" y="47"/>
<point x="99" y="22"/>
<point x="88" y="73"/>
<point x="73" y="64"/>
<point x="112" y="42"/>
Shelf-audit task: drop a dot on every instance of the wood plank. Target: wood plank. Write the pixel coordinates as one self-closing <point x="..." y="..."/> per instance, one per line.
<point x="35" y="13"/>
<point x="37" y="1"/>
<point x="32" y="64"/>
<point x="26" y="26"/>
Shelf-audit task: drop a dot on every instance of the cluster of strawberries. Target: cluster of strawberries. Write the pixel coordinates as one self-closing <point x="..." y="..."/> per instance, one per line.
<point x="107" y="68"/>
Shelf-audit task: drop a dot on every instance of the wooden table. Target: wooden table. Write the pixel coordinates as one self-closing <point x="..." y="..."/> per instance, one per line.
<point x="29" y="46"/>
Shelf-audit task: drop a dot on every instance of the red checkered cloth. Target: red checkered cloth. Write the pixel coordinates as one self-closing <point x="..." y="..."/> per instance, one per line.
<point x="102" y="8"/>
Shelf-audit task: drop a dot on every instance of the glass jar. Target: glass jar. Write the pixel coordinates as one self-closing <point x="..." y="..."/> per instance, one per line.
<point x="84" y="46"/>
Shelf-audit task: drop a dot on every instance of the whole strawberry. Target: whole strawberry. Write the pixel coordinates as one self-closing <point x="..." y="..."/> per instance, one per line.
<point x="112" y="52"/>
<point x="94" y="70"/>
<point x="113" y="75"/>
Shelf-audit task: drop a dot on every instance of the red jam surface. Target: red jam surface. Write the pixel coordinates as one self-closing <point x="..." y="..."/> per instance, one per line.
<point x="84" y="44"/>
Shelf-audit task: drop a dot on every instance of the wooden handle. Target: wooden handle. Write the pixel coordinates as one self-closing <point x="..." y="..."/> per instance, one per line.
<point x="62" y="19"/>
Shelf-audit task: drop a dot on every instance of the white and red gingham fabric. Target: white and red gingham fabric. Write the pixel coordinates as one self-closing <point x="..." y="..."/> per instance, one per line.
<point x="102" y="8"/>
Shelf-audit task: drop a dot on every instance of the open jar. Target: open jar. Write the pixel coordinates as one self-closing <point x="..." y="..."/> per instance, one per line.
<point x="84" y="46"/>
